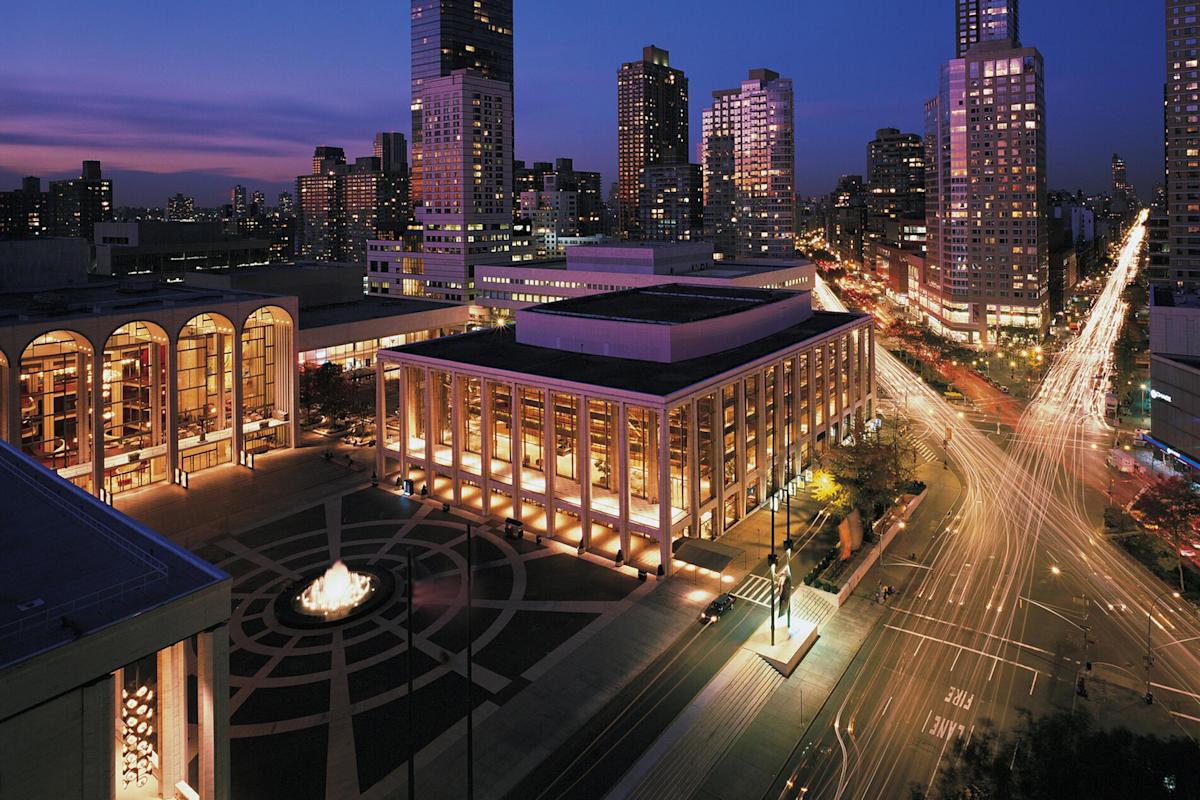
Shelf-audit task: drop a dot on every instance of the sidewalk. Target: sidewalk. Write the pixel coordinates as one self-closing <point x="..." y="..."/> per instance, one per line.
<point x="231" y="498"/>
<point x="739" y="732"/>
<point x="560" y="697"/>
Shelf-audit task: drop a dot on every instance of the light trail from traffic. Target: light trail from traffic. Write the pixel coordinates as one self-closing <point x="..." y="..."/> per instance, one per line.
<point x="965" y="622"/>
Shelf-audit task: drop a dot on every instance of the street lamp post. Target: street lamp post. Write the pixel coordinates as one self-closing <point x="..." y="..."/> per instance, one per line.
<point x="1084" y="629"/>
<point x="771" y="557"/>
<point x="1149" y="653"/>
<point x="1143" y="414"/>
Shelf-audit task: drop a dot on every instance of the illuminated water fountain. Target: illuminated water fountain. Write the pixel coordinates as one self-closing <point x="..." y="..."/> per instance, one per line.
<point x="336" y="595"/>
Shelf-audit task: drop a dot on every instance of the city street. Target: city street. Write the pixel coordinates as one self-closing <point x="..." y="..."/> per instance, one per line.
<point x="996" y="623"/>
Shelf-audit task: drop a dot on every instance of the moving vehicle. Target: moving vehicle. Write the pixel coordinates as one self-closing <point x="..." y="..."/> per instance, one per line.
<point x="721" y="604"/>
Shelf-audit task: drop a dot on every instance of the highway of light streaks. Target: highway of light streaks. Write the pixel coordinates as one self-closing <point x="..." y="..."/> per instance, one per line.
<point x="960" y="627"/>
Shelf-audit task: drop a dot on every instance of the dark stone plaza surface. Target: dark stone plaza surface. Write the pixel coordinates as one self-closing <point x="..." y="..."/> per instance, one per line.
<point x="322" y="712"/>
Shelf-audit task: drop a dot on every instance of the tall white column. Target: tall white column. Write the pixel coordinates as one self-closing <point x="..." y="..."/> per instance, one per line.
<point x="518" y="449"/>
<point x="172" y="431"/>
<point x="380" y="421"/>
<point x="12" y="402"/>
<point x="212" y="667"/>
<point x="98" y="737"/>
<point x="429" y="395"/>
<point x="172" y="717"/>
<point x="239" y="414"/>
<point x="457" y="436"/>
<point x="585" y="472"/>
<point x="622" y="466"/>
<point x="485" y="446"/>
<point x="664" y="491"/>
<point x="97" y="420"/>
<point x="549" y="456"/>
<point x="402" y="412"/>
<point x="693" y="466"/>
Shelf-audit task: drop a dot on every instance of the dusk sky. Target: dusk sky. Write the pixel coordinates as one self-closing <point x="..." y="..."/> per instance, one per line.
<point x="197" y="97"/>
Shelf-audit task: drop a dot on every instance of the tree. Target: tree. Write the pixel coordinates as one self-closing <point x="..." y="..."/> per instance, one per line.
<point x="871" y="470"/>
<point x="1065" y="755"/>
<point x="326" y="388"/>
<point x="1172" y="505"/>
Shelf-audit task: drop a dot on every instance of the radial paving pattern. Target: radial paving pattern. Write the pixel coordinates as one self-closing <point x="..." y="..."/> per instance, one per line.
<point x="322" y="713"/>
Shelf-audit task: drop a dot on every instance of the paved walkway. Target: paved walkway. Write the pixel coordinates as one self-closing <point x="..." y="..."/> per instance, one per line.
<point x="230" y="498"/>
<point x="564" y="692"/>
<point x="732" y="740"/>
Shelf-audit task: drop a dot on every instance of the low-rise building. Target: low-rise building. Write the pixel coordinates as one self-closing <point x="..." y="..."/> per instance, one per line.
<point x="116" y="385"/>
<point x="1174" y="390"/>
<point x="622" y="422"/>
<point x="173" y="249"/>
<point x="339" y="324"/>
<point x="101" y="621"/>
<point x="609" y="267"/>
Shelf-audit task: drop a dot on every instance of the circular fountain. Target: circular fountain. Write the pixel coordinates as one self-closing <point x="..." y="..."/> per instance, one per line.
<point x="336" y="595"/>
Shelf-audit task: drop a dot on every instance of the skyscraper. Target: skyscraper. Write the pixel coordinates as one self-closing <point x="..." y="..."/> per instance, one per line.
<point x="23" y="211"/>
<point x="466" y="208"/>
<point x="848" y="219"/>
<point x="237" y="201"/>
<point x="749" y="168"/>
<point x="1182" y="141"/>
<point x="895" y="184"/>
<point x="180" y="208"/>
<point x="1120" y="181"/>
<point x="985" y="21"/>
<point x="392" y="151"/>
<point x="76" y="205"/>
<point x="987" y="266"/>
<point x="449" y="35"/>
<point x="652" y="126"/>
<point x="343" y="205"/>
<point x="671" y="203"/>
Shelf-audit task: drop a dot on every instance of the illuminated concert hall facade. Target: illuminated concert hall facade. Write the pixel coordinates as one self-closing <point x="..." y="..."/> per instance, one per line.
<point x="621" y="422"/>
<point x="116" y="386"/>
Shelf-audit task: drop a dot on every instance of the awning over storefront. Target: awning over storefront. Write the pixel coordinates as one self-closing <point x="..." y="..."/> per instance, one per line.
<point x="705" y="554"/>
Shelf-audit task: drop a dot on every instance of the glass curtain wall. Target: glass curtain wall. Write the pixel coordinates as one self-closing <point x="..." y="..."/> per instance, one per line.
<point x="135" y="404"/>
<point x="414" y="410"/>
<point x="443" y="419"/>
<point x="566" y="436"/>
<point x="56" y="401"/>
<point x="501" y="430"/>
<point x="678" y="421"/>
<point x="533" y="427"/>
<point x="472" y="422"/>
<point x="205" y="391"/>
<point x="706" y="424"/>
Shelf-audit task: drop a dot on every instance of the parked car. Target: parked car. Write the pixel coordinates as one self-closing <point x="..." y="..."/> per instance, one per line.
<point x="717" y="608"/>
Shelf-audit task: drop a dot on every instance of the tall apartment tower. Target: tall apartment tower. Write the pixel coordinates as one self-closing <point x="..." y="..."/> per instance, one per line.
<point x="180" y="208"/>
<point x="466" y="209"/>
<point x="449" y="35"/>
<point x="749" y="168"/>
<point x="391" y="148"/>
<point x="237" y="201"/>
<point x="343" y="206"/>
<point x="987" y="262"/>
<point x="895" y="184"/>
<point x="985" y="21"/>
<point x="1181" y="99"/>
<point x="652" y="127"/>
<point x="1120" y="178"/>
<point x="671" y="203"/>
<point x="75" y="206"/>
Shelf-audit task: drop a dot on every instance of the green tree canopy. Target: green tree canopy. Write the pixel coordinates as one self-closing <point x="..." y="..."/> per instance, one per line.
<point x="1065" y="755"/>
<point x="1173" y="505"/>
<point x="871" y="469"/>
